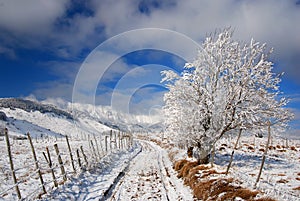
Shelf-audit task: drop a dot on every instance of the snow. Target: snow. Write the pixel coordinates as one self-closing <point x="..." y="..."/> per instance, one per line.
<point x="151" y="177"/>
<point x="281" y="170"/>
<point x="94" y="184"/>
<point x="143" y="172"/>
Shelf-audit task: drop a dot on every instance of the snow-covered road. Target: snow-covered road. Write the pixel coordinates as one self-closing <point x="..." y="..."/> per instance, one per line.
<point x="144" y="173"/>
<point x="150" y="177"/>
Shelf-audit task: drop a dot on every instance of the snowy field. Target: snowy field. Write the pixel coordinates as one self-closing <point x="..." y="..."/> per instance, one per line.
<point x="145" y="172"/>
<point x="119" y="171"/>
<point x="280" y="178"/>
<point x="281" y="173"/>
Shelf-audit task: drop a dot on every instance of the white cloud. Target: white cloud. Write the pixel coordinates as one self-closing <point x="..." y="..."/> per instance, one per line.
<point x="31" y="16"/>
<point x="35" y="24"/>
<point x="271" y="21"/>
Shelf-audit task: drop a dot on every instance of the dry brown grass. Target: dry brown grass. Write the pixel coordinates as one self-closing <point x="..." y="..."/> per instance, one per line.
<point x="192" y="178"/>
<point x="210" y="172"/>
<point x="221" y="189"/>
<point x="179" y="164"/>
<point x="243" y="193"/>
<point x="186" y="169"/>
<point x="201" y="190"/>
<point x="297" y="188"/>
<point x="272" y="148"/>
<point x="283" y="181"/>
<point x="222" y="149"/>
<point x="293" y="148"/>
<point x="211" y="188"/>
<point x="250" y="148"/>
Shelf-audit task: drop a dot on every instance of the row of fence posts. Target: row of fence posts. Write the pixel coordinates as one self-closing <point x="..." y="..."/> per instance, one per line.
<point x="80" y="154"/>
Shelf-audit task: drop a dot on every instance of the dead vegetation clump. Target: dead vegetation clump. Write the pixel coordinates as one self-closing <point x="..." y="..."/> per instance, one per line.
<point x="222" y="149"/>
<point x="250" y="148"/>
<point x="206" y="185"/>
<point x="179" y="164"/>
<point x="293" y="148"/>
<point x="297" y="188"/>
<point x="272" y="147"/>
<point x="186" y="168"/>
<point x="192" y="178"/>
<point x="221" y="189"/>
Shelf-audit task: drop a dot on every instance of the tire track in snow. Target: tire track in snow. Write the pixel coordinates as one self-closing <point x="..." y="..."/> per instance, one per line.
<point x="147" y="178"/>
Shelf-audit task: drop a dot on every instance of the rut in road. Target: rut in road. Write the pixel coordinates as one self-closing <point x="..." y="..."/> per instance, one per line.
<point x="149" y="178"/>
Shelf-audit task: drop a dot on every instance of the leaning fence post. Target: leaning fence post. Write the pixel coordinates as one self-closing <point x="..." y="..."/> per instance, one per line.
<point x="235" y="147"/>
<point x="62" y="168"/>
<point x="115" y="139"/>
<point x="11" y="163"/>
<point x="106" y="144"/>
<point x="36" y="162"/>
<point x="49" y="161"/>
<point x="84" y="156"/>
<point x="110" y="137"/>
<point x="93" y="149"/>
<point x="78" y="158"/>
<point x="119" y="139"/>
<point x="97" y="147"/>
<point x="71" y="156"/>
<point x="265" y="153"/>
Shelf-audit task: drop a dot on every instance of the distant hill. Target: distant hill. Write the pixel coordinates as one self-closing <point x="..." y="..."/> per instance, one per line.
<point x="29" y="106"/>
<point x="24" y="115"/>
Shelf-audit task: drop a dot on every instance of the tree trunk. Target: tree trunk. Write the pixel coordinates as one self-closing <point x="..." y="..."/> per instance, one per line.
<point x="190" y="152"/>
<point x="203" y="154"/>
<point x="204" y="160"/>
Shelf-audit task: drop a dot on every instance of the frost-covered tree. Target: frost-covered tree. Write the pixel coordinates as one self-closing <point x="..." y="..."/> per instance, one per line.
<point x="228" y="86"/>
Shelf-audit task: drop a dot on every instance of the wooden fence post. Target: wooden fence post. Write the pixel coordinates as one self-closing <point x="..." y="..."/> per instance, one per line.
<point x="119" y="139"/>
<point x="264" y="155"/>
<point x="94" y="150"/>
<point x="71" y="156"/>
<point x="84" y="156"/>
<point x="49" y="161"/>
<point x="106" y="144"/>
<point x="235" y="147"/>
<point x="97" y="147"/>
<point x="115" y="139"/>
<point x="122" y="138"/>
<point x="11" y="163"/>
<point x="60" y="162"/>
<point x="36" y="163"/>
<point x="78" y="158"/>
<point x="110" y="136"/>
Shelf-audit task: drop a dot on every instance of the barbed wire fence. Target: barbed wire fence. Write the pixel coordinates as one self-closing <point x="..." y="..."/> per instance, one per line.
<point x="52" y="161"/>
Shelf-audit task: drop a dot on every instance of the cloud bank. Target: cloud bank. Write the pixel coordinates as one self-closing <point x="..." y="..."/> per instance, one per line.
<point x="68" y="30"/>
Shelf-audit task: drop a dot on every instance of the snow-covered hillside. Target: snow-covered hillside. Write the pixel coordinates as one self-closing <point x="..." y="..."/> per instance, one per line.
<point x="39" y="123"/>
<point x="110" y="117"/>
<point x="70" y="119"/>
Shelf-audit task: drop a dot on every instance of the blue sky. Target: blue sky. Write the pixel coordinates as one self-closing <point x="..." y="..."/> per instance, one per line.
<point x="44" y="43"/>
